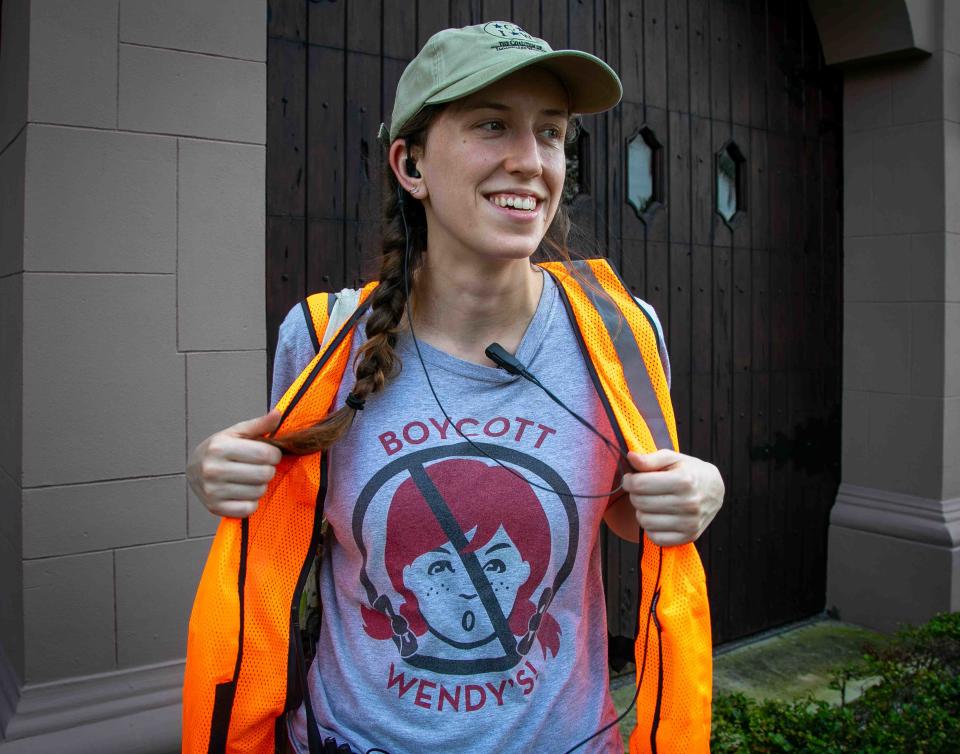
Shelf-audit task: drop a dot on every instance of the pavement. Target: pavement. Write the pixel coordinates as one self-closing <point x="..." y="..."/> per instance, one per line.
<point x="788" y="663"/>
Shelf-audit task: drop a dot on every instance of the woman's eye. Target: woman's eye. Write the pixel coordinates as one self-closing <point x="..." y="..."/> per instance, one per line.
<point x="492" y="125"/>
<point x="495" y="566"/>
<point x="553" y="133"/>
<point x="439" y="566"/>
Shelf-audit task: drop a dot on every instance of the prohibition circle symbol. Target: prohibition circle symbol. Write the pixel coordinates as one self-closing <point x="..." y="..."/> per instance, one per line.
<point x="414" y="466"/>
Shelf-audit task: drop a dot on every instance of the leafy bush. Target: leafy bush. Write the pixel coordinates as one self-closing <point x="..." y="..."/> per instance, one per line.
<point x="913" y="706"/>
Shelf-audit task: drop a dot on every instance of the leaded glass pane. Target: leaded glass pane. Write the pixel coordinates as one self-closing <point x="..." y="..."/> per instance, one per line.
<point x="639" y="173"/>
<point x="727" y="185"/>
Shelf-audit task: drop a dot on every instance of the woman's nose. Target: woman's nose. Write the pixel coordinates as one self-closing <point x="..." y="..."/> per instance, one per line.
<point x="524" y="156"/>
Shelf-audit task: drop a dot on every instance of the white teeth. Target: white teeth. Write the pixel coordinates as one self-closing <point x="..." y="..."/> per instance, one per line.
<point x="516" y="202"/>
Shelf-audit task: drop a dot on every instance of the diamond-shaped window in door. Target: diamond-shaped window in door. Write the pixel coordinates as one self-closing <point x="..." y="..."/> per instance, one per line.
<point x="644" y="173"/>
<point x="731" y="182"/>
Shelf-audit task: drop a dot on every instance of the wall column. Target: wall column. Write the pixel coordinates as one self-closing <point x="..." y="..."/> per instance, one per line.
<point x="894" y="541"/>
<point x="13" y="140"/>
<point x="132" y="298"/>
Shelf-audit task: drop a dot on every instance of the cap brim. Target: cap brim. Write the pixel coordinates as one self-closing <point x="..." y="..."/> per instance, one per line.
<point x="592" y="84"/>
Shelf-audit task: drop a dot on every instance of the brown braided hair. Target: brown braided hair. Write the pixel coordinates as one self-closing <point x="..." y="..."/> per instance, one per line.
<point x="376" y="361"/>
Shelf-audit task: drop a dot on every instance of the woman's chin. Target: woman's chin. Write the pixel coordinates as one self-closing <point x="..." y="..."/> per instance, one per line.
<point x="510" y="249"/>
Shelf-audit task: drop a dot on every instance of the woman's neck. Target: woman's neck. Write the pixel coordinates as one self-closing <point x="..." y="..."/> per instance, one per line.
<point x="461" y="308"/>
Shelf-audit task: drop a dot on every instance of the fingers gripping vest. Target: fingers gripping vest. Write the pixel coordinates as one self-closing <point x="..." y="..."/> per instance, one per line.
<point x="244" y="664"/>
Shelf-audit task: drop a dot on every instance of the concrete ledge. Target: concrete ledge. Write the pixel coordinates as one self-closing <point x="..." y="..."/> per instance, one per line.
<point x="925" y="520"/>
<point x="108" y="697"/>
<point x="855" y="31"/>
<point x="155" y="731"/>
<point x="9" y="691"/>
<point x="884" y="582"/>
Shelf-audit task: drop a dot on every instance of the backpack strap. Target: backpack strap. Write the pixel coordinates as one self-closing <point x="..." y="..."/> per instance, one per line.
<point x="325" y="314"/>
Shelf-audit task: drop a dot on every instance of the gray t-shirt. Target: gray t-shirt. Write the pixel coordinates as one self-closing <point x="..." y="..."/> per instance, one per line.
<point x="463" y="603"/>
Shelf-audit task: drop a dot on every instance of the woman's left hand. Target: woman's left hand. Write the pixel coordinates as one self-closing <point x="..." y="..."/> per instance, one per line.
<point x="674" y="496"/>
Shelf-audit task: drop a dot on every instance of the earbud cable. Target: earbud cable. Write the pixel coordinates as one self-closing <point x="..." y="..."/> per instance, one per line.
<point x="524" y="373"/>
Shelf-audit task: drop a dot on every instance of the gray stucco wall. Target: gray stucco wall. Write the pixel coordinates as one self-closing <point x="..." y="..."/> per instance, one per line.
<point x="131" y="302"/>
<point x="894" y="552"/>
<point x="13" y="115"/>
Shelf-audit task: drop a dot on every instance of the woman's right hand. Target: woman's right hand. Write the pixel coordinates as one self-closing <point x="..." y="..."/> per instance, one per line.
<point x="230" y="470"/>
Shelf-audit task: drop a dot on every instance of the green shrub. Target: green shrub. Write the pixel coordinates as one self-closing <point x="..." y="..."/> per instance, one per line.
<point x="914" y="705"/>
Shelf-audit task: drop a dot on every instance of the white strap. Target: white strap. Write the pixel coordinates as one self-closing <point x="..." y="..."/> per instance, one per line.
<point x="345" y="303"/>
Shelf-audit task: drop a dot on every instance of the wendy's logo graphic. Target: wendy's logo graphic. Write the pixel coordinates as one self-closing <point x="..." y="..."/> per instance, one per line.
<point x="463" y="579"/>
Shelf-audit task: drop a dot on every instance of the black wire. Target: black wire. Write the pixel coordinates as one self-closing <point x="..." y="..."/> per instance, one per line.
<point x="613" y="446"/>
<point x="528" y="376"/>
<point x="608" y="726"/>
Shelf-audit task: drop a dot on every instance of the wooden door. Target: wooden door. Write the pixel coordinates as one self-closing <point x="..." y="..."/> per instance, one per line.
<point x="750" y="304"/>
<point x="733" y="102"/>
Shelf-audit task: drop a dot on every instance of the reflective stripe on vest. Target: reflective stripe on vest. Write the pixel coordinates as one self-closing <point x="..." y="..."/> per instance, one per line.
<point x="673" y="650"/>
<point x="241" y="652"/>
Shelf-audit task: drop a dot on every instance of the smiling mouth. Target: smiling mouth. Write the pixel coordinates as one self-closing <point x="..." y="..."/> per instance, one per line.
<point x="524" y="203"/>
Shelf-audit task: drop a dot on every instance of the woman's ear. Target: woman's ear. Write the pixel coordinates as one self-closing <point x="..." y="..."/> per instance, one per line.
<point x="403" y="163"/>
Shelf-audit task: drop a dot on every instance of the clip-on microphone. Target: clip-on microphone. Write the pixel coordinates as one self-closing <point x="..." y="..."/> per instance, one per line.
<point x="506" y="361"/>
<point x="503" y="359"/>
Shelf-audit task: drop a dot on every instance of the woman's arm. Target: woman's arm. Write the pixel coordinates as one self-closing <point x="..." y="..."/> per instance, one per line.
<point x="294" y="351"/>
<point x="672" y="496"/>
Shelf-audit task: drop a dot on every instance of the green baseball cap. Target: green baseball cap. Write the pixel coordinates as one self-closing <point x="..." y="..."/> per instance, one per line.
<point x="455" y="63"/>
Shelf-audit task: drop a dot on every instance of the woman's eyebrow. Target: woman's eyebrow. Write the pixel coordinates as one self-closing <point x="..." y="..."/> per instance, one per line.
<point x="500" y="107"/>
<point x="487" y="106"/>
<point x="496" y="547"/>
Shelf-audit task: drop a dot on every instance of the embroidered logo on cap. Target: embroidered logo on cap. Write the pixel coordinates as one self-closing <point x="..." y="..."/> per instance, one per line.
<point x="506" y="30"/>
<point x="512" y="37"/>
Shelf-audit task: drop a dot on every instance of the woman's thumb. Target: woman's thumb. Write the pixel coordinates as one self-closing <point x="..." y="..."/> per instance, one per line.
<point x="258" y="427"/>
<point x="655" y="461"/>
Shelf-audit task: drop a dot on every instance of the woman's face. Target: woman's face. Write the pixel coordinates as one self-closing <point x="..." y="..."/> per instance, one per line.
<point x="493" y="167"/>
<point x="448" y="599"/>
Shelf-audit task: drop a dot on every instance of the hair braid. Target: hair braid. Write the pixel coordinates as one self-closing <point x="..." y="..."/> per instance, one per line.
<point x="376" y="361"/>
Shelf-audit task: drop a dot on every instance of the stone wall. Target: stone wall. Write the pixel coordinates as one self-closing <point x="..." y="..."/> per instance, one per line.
<point x="131" y="301"/>
<point x="895" y="530"/>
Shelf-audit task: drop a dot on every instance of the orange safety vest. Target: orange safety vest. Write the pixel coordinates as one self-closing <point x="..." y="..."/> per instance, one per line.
<point x="244" y="655"/>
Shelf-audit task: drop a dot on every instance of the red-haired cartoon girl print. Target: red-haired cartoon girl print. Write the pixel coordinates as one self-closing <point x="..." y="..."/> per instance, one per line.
<point x="470" y="556"/>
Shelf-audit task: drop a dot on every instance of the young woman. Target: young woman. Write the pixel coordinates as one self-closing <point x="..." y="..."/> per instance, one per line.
<point x="463" y="606"/>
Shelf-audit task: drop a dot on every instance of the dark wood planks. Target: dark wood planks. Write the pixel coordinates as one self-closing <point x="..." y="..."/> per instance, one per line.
<point x="285" y="170"/>
<point x="751" y="312"/>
